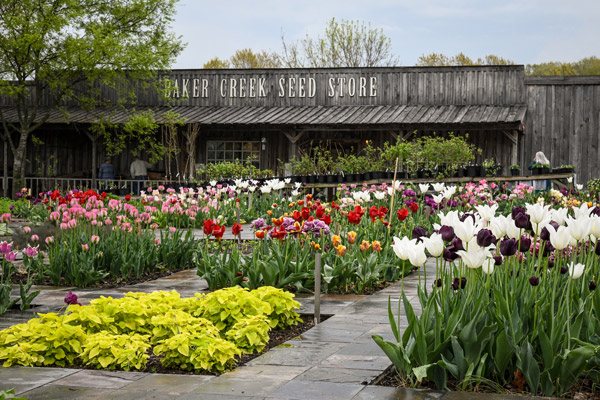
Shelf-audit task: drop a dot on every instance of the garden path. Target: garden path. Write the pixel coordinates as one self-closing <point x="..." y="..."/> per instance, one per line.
<point x="333" y="360"/>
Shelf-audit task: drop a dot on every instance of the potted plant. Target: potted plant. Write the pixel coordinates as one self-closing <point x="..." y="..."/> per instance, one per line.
<point x="515" y="170"/>
<point x="536" y="168"/>
<point x="490" y="167"/>
<point x="545" y="169"/>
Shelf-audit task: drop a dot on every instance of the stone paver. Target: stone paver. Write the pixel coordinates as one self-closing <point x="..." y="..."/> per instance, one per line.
<point x="334" y="360"/>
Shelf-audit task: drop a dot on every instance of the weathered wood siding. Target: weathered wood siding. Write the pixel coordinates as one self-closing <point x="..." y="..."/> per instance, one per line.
<point x="563" y="121"/>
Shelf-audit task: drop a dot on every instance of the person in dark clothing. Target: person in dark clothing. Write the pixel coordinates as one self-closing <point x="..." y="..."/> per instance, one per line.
<point x="106" y="173"/>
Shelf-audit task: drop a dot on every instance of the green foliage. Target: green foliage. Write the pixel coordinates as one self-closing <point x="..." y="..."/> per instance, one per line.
<point x="226" y="307"/>
<point x="594" y="184"/>
<point x="191" y="352"/>
<point x="283" y="305"/>
<point x="344" y="44"/>
<point x="233" y="170"/>
<point x="5" y="204"/>
<point x="441" y="60"/>
<point x="250" y="334"/>
<point x="10" y="395"/>
<point x="109" y="351"/>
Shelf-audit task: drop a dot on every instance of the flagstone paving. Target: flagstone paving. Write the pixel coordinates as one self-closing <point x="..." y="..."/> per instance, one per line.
<point x="334" y="360"/>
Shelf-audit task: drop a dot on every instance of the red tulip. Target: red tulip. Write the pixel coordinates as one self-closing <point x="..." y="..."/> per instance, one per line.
<point x="236" y="229"/>
<point x="305" y="212"/>
<point x="208" y="227"/>
<point x="402" y="214"/>
<point x="218" y="231"/>
<point x="414" y="207"/>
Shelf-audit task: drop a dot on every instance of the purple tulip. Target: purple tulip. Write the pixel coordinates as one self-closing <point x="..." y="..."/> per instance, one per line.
<point x="12" y="256"/>
<point x="450" y="254"/>
<point x="548" y="248"/>
<point x="550" y="263"/>
<point x="597" y="249"/>
<point x="596" y="211"/>
<point x="592" y="285"/>
<point x="545" y="233"/>
<point x="508" y="247"/>
<point x="447" y="233"/>
<point x="463" y="283"/>
<point x="458" y="244"/>
<point x="438" y="282"/>
<point x="71" y="298"/>
<point x="467" y="215"/>
<point x="418" y="232"/>
<point x="534" y="281"/>
<point x="516" y="211"/>
<point x="455" y="284"/>
<point x="522" y="220"/>
<point x="485" y="238"/>
<point x="498" y="260"/>
<point x="563" y="270"/>
<point x="525" y="244"/>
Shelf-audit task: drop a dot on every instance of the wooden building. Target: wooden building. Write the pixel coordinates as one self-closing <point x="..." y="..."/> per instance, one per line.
<point x="271" y="114"/>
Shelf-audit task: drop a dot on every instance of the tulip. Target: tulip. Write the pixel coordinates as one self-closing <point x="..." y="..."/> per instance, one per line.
<point x="26" y="229"/>
<point x="236" y="229"/>
<point x="418" y="232"/>
<point x="466" y="230"/>
<point x="525" y="244"/>
<point x="71" y="298"/>
<point x="49" y="240"/>
<point x="364" y="246"/>
<point x="416" y="255"/>
<point x="438" y="187"/>
<point x="576" y="270"/>
<point x="402" y="214"/>
<point x="336" y="240"/>
<point x="423" y="187"/>
<point x="457" y="244"/>
<point x="508" y="247"/>
<point x="516" y="210"/>
<point x="560" y="238"/>
<point x="341" y="250"/>
<point x="488" y="266"/>
<point x="545" y="233"/>
<point x="260" y="234"/>
<point x="537" y="212"/>
<point x="534" y="281"/>
<point x="474" y="257"/>
<point x="85" y="247"/>
<point x="455" y="284"/>
<point x="5" y="247"/>
<point x="486" y="212"/>
<point x="94" y="239"/>
<point x="447" y="233"/>
<point x="592" y="285"/>
<point x="376" y="246"/>
<point x="434" y="244"/>
<point x="438" y="282"/>
<point x="522" y="220"/>
<point x="11" y="256"/>
<point x="450" y="254"/>
<point x="31" y="251"/>
<point x="498" y="260"/>
<point x="351" y="237"/>
<point x="401" y="247"/>
<point x="485" y="238"/>
<point x="579" y="228"/>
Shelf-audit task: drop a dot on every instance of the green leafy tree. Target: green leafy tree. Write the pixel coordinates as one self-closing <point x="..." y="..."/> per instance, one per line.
<point x="585" y="66"/>
<point x="216" y="63"/>
<point x="442" y="60"/>
<point x="344" y="44"/>
<point x="246" y="58"/>
<point x="69" y="50"/>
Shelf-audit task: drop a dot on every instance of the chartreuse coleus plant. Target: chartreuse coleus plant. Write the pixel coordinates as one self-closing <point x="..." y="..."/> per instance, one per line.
<point x="205" y="332"/>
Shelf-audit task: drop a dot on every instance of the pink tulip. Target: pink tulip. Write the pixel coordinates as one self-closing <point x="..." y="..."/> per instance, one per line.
<point x="5" y="247"/>
<point x="6" y="218"/>
<point x="26" y="229"/>
<point x="107" y="221"/>
<point x="31" y="251"/>
<point x="12" y="256"/>
<point x="35" y="238"/>
<point x="172" y="229"/>
<point x="95" y="239"/>
<point x="85" y="247"/>
<point x="63" y="225"/>
<point x="49" y="240"/>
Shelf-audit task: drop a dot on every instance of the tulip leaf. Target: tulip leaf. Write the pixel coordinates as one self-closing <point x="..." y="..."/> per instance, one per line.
<point x="547" y="385"/>
<point x="503" y="353"/>
<point x="574" y="364"/>
<point x="392" y="320"/>
<point x="529" y="366"/>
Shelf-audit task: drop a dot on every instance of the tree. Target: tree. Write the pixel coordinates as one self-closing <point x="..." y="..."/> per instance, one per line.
<point x="585" y="66"/>
<point x="344" y="44"/>
<point x="246" y="58"/>
<point x="68" y="50"/>
<point x="441" y="60"/>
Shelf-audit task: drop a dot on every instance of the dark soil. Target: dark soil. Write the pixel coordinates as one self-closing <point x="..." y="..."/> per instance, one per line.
<point x="580" y="391"/>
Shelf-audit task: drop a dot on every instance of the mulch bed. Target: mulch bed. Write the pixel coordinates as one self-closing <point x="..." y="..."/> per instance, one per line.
<point x="582" y="390"/>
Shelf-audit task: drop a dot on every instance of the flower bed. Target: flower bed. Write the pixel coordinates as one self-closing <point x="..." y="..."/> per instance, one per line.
<point x="206" y="333"/>
<point x="514" y="302"/>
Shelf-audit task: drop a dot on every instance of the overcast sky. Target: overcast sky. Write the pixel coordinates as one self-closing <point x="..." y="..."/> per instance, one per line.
<point x="525" y="31"/>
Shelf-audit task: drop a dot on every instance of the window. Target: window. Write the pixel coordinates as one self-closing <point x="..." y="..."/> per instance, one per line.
<point x="231" y="151"/>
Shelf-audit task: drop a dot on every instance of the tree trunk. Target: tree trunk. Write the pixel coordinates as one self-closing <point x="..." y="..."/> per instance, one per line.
<point x="19" y="164"/>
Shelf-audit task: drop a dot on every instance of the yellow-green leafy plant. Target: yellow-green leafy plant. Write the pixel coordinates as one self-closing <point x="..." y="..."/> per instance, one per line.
<point x="176" y="321"/>
<point x="250" y="334"/>
<point x="89" y="318"/>
<point x="227" y="306"/>
<point x="283" y="305"/>
<point x="190" y="352"/>
<point x="109" y="351"/>
<point x="41" y="341"/>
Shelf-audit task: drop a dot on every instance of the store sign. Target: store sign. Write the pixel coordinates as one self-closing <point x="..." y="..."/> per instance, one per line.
<point x="260" y="87"/>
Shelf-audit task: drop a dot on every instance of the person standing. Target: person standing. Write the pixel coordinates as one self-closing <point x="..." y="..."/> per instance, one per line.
<point x="139" y="172"/>
<point x="106" y="173"/>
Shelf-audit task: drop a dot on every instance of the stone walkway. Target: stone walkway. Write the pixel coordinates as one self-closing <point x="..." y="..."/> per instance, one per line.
<point x="333" y="360"/>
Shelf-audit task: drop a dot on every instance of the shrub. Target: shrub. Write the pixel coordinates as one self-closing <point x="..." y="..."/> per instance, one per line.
<point x="106" y="350"/>
<point x="250" y="334"/>
<point x="282" y="304"/>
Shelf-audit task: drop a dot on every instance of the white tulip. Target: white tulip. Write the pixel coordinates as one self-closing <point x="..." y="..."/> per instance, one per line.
<point x="251" y="188"/>
<point x="287" y="181"/>
<point x="580" y="227"/>
<point x="581" y="211"/>
<point x="570" y="179"/>
<point x="559" y="238"/>
<point x="450" y="219"/>
<point x="537" y="227"/>
<point x="449" y="191"/>
<point x="379" y="195"/>
<point x="416" y="255"/>
<point x="579" y="186"/>
<point x="295" y="193"/>
<point x="438" y="198"/>
<point x="537" y="212"/>
<point x="438" y="187"/>
<point x="466" y="230"/>
<point x="434" y="244"/>
<point x="488" y="266"/>
<point x="423" y="187"/>
<point x="266" y="189"/>
<point x="401" y="247"/>
<point x="212" y="183"/>
<point x="559" y="215"/>
<point x="512" y="231"/>
<point x="474" y="257"/>
<point x="498" y="226"/>
<point x="576" y="270"/>
<point x="487" y="212"/>
<point x="595" y="226"/>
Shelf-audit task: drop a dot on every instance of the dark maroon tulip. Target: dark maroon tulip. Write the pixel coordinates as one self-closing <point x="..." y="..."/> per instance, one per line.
<point x="548" y="249"/>
<point x="463" y="283"/>
<point x="467" y="215"/>
<point x="447" y="233"/>
<point x="418" y="232"/>
<point x="450" y="254"/>
<point x="592" y="285"/>
<point x="485" y="238"/>
<point x="525" y="244"/>
<point x="498" y="260"/>
<point x="563" y="270"/>
<point x="522" y="220"/>
<point x="517" y="210"/>
<point x="458" y="244"/>
<point x="534" y="281"/>
<point x="455" y="284"/>
<point x="71" y="298"/>
<point x="597" y="249"/>
<point x="438" y="282"/>
<point x="550" y="263"/>
<point x="508" y="247"/>
<point x="596" y="211"/>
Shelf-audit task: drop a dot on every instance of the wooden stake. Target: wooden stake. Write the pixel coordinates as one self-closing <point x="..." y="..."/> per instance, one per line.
<point x="237" y="215"/>
<point x="393" y="193"/>
<point x="317" y="312"/>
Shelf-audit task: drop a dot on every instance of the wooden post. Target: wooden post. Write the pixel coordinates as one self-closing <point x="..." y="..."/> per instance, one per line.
<point x="515" y="148"/>
<point x="393" y="193"/>
<point x="237" y="216"/>
<point x="5" y="177"/>
<point x="317" y="312"/>
<point x="94" y="139"/>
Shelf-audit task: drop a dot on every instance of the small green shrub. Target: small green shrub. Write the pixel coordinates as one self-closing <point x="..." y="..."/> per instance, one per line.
<point x="108" y="351"/>
<point x="250" y="334"/>
<point x="190" y="352"/>
<point x="283" y="305"/>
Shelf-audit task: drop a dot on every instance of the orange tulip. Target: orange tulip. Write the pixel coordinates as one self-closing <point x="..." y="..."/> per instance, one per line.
<point x="336" y="240"/>
<point x="260" y="234"/>
<point x="269" y="213"/>
<point x="292" y="205"/>
<point x="341" y="250"/>
<point x="364" y="246"/>
<point x="316" y="246"/>
<point x="376" y="246"/>
<point x="300" y="202"/>
<point x="308" y="197"/>
<point x="351" y="237"/>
